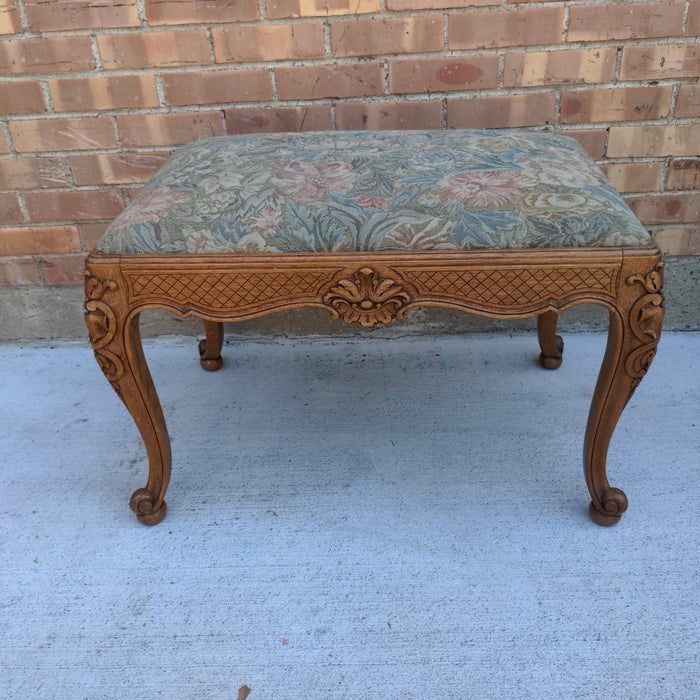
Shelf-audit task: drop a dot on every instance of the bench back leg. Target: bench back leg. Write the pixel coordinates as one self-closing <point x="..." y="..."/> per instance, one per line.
<point x="551" y="344"/>
<point x="210" y="347"/>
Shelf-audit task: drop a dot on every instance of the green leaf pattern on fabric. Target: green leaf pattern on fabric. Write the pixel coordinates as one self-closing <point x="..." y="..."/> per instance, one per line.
<point x="362" y="191"/>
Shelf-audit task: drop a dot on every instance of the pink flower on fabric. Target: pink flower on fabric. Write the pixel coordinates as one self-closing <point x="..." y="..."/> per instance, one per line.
<point x="267" y="221"/>
<point x="151" y="207"/>
<point x="308" y="182"/>
<point x="372" y="203"/>
<point x="483" y="188"/>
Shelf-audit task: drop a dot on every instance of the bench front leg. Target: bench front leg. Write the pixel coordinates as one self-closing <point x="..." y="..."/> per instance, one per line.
<point x="116" y="341"/>
<point x="633" y="335"/>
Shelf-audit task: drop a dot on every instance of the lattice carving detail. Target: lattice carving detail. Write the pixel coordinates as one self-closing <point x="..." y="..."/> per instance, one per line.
<point x="506" y="287"/>
<point x="220" y="290"/>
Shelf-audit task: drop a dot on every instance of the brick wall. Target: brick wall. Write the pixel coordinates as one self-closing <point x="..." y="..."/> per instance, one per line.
<point x="95" y="94"/>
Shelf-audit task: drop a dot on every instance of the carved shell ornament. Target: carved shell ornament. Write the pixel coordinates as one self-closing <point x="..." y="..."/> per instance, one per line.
<point x="367" y="299"/>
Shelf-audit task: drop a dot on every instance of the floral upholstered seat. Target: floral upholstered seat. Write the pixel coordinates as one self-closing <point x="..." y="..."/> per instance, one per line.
<point x="369" y="191"/>
<point x="368" y="226"/>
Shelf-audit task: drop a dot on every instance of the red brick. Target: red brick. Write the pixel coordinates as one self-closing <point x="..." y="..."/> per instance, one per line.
<point x="167" y="129"/>
<point x="200" y="11"/>
<point x="46" y="55"/>
<point x="10" y="213"/>
<point x="92" y="233"/>
<point x="653" y="141"/>
<point x="278" y="119"/>
<point x="268" y="43"/>
<point x="684" y="174"/>
<point x="3" y="144"/>
<point x="64" y="270"/>
<point x="74" y="206"/>
<point x="692" y="26"/>
<point x="591" y="140"/>
<point x="443" y="74"/>
<point x="678" y="241"/>
<point x="39" y="239"/>
<point x="391" y="115"/>
<point x="666" y="209"/>
<point x="625" y="20"/>
<point x="115" y="168"/>
<point x="62" y="134"/>
<point x="480" y="30"/>
<point x="31" y="173"/>
<point x="497" y="112"/>
<point x="688" y="101"/>
<point x="379" y="36"/>
<point x="19" y="273"/>
<point x="555" y="67"/>
<point x="213" y="87"/>
<point x="285" y="9"/>
<point x="25" y="97"/>
<point x="620" y="104"/>
<point x="656" y="62"/>
<point x="634" y="177"/>
<point x="397" y="5"/>
<point x="10" y="22"/>
<point x="155" y="49"/>
<point x="316" y="82"/>
<point x="130" y="194"/>
<point x="123" y="92"/>
<point x="80" y="14"/>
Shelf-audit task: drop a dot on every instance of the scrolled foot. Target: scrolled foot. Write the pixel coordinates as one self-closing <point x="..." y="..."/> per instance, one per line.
<point x="614" y="503"/>
<point x="553" y="361"/>
<point x="209" y="364"/>
<point x="142" y="502"/>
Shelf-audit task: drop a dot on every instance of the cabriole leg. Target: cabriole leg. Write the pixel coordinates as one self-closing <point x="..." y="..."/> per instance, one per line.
<point x="210" y="347"/>
<point x="116" y="340"/>
<point x="635" y="328"/>
<point x="551" y="344"/>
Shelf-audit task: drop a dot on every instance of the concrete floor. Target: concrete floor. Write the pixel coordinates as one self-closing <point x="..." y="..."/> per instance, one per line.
<point x="403" y="518"/>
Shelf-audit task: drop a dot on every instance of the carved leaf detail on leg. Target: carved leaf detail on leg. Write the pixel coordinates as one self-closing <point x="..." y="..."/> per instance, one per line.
<point x="645" y="319"/>
<point x="110" y="364"/>
<point x="94" y="288"/>
<point x="101" y="323"/>
<point x="102" y="327"/>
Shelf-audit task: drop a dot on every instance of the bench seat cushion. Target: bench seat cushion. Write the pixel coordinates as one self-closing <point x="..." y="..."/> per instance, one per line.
<point x="367" y="191"/>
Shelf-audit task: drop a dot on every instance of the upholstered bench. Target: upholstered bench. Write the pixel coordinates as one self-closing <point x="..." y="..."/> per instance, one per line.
<point x="506" y="224"/>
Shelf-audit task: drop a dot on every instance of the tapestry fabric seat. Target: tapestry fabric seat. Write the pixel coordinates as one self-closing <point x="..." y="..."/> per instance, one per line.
<point x="368" y="226"/>
<point x="363" y="191"/>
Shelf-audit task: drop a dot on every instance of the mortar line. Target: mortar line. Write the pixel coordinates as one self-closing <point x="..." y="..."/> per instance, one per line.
<point x="338" y="60"/>
<point x="141" y="13"/>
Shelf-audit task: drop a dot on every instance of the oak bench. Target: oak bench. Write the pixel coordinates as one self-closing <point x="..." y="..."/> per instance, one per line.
<point x="367" y="225"/>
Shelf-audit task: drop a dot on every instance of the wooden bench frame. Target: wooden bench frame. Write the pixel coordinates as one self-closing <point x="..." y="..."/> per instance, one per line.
<point x="371" y="288"/>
